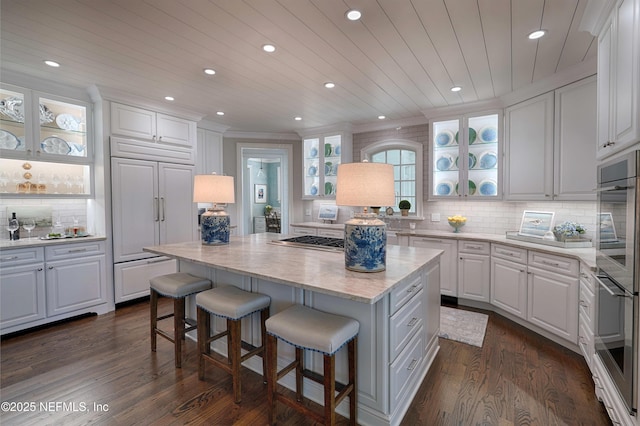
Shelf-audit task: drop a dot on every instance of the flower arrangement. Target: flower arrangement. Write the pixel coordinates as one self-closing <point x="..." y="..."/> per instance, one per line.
<point x="267" y="209"/>
<point x="568" y="230"/>
<point x="457" y="222"/>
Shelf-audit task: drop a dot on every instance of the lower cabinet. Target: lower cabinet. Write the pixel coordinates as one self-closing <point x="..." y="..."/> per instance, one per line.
<point x="586" y="315"/>
<point x="44" y="284"/>
<point x="131" y="279"/>
<point x="474" y="271"/>
<point x="448" y="261"/>
<point x="509" y="286"/>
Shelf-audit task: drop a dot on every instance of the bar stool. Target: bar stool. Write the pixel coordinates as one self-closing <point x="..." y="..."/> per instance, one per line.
<point x="233" y="304"/>
<point x="307" y="328"/>
<point x="177" y="286"/>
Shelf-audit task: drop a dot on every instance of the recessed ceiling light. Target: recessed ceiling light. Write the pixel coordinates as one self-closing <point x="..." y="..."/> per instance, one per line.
<point x="53" y="64"/>
<point x="209" y="71"/>
<point x="456" y="89"/>
<point x="381" y="117"/>
<point x="269" y="48"/>
<point x="329" y="85"/>
<point x="297" y="118"/>
<point x="169" y="98"/>
<point x="220" y="113"/>
<point x="354" y="15"/>
<point x="537" y="34"/>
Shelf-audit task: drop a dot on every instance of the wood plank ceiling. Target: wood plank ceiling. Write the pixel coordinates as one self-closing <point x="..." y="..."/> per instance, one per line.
<point x="399" y="60"/>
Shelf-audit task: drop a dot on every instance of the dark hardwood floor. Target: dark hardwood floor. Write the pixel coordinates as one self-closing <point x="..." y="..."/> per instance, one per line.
<point x="99" y="370"/>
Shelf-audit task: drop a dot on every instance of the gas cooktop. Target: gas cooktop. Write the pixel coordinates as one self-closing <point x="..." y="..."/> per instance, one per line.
<point x="313" y="242"/>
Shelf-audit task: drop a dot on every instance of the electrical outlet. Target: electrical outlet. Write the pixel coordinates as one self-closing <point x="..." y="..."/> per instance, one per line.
<point x="435" y="217"/>
<point x="307" y="212"/>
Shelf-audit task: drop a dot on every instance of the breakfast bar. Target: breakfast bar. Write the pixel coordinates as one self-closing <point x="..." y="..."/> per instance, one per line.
<point x="398" y="310"/>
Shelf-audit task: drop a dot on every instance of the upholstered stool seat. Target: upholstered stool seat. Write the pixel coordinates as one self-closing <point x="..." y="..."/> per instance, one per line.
<point x="310" y="329"/>
<point x="177" y="286"/>
<point x="233" y="304"/>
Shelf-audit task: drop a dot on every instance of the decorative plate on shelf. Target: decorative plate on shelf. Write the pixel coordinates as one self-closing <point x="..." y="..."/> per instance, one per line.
<point x="328" y="168"/>
<point x="8" y="140"/>
<point x="444" y="188"/>
<point x="488" y="160"/>
<point x="488" y="134"/>
<point x="445" y="162"/>
<point x="488" y="187"/>
<point x="314" y="190"/>
<point x="328" y="188"/>
<point x="472" y="161"/>
<point x="472" y="187"/>
<point x="55" y="145"/>
<point x="313" y="152"/>
<point x="68" y="122"/>
<point x="336" y="150"/>
<point x="46" y="116"/>
<point x="444" y="138"/>
<point x="313" y="171"/>
<point x="328" y="149"/>
<point x="472" y="135"/>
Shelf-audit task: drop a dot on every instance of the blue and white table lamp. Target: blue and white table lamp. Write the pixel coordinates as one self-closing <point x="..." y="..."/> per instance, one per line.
<point x="365" y="236"/>
<point x="214" y="223"/>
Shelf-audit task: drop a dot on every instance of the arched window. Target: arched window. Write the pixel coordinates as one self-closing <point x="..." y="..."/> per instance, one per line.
<point x="406" y="158"/>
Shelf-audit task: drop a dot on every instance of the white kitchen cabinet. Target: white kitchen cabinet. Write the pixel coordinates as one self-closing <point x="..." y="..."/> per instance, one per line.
<point x="466" y="157"/>
<point x="448" y="261"/>
<point x="618" y="79"/>
<point x="209" y="158"/>
<point x="509" y="286"/>
<point x="152" y="204"/>
<point x="574" y="165"/>
<point x="586" y="315"/>
<point x="140" y="123"/>
<point x="474" y="270"/>
<point x="321" y="156"/>
<point x="259" y="224"/>
<point x="75" y="278"/>
<point x="331" y="233"/>
<point x="131" y="279"/>
<point x="22" y="288"/>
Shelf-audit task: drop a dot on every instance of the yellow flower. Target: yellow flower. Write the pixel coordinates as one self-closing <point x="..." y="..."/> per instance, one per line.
<point x="457" y="220"/>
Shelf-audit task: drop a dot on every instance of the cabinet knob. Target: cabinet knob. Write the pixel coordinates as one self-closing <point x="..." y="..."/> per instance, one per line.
<point x="39" y="269"/>
<point x="50" y="267"/>
<point x="159" y="138"/>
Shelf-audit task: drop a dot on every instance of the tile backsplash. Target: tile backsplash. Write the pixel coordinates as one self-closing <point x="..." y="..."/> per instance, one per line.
<point x="64" y="210"/>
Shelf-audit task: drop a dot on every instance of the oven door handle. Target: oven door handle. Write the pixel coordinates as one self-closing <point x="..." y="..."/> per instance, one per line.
<point x="614" y="188"/>
<point x="606" y="287"/>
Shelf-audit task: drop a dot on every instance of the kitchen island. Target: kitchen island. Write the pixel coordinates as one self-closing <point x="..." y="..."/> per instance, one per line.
<point x="398" y="310"/>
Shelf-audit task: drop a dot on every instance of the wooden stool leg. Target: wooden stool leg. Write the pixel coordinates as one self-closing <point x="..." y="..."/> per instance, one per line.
<point x="353" y="356"/>
<point x="272" y="376"/>
<point x="329" y="389"/>
<point x="299" y="370"/>
<point x="204" y="331"/>
<point x="178" y="329"/>
<point x="234" y="327"/>
<point x="153" y="314"/>
<point x="264" y="316"/>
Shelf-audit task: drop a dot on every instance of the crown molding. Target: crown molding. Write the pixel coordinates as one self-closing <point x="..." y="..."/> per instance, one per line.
<point x="340" y="127"/>
<point x="262" y="136"/>
<point x="595" y="16"/>
<point x="389" y="124"/>
<point x="213" y="126"/>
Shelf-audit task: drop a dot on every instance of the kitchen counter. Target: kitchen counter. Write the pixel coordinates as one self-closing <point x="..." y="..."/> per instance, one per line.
<point x="315" y="270"/>
<point x="585" y="255"/>
<point x="319" y="225"/>
<point x="37" y="242"/>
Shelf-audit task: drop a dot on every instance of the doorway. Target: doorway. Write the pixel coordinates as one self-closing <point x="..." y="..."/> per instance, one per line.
<point x="266" y="177"/>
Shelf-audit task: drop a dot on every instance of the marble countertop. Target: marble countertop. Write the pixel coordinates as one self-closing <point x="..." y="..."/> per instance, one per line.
<point x="319" y="225"/>
<point x="585" y="255"/>
<point x="37" y="242"/>
<point x="315" y="270"/>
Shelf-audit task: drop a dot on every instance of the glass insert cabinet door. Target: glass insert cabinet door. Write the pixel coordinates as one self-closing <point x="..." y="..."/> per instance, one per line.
<point x="321" y="158"/>
<point x="41" y="125"/>
<point x="465" y="157"/>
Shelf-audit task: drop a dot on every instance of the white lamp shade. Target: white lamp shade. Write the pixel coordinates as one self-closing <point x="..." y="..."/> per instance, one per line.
<point x="365" y="184"/>
<point x="213" y="189"/>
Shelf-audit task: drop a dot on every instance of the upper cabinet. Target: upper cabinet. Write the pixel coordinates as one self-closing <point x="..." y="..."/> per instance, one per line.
<point x="150" y="135"/>
<point x="548" y="145"/>
<point x="465" y="158"/>
<point x="321" y="157"/>
<point x="619" y="79"/>
<point x="38" y="126"/>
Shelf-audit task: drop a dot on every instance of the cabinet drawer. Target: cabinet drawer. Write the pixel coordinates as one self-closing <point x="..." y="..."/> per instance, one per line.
<point x="558" y="264"/>
<point x="405" y="291"/>
<point x="333" y="233"/>
<point x="73" y="250"/>
<point x="404" y="324"/>
<point x="404" y="369"/>
<point x="476" y="247"/>
<point x="586" y="343"/>
<point x="513" y="254"/>
<point x="303" y="230"/>
<point x="586" y="276"/>
<point x="23" y="256"/>
<point x="587" y="305"/>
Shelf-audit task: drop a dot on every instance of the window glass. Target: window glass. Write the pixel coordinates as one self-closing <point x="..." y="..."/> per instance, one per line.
<point x="404" y="172"/>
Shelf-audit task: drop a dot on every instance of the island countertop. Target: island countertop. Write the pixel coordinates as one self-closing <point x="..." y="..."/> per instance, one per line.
<point x="314" y="270"/>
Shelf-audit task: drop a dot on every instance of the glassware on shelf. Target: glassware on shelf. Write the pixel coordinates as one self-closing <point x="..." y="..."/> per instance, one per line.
<point x="29" y="225"/>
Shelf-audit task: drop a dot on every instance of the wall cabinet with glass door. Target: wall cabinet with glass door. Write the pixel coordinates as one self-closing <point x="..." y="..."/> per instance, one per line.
<point x="465" y="157"/>
<point x="321" y="157"/>
<point x="44" y="144"/>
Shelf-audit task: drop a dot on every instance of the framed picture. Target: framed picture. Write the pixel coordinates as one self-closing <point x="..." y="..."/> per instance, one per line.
<point x="260" y="196"/>
<point x="607" y="230"/>
<point x="328" y="212"/>
<point x="536" y="224"/>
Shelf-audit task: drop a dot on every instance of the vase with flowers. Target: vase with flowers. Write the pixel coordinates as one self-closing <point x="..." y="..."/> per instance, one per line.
<point x="267" y="210"/>
<point x="457" y="222"/>
<point x="569" y="231"/>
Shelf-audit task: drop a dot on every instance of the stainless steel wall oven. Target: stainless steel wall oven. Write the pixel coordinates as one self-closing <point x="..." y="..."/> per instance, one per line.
<point x="617" y="258"/>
